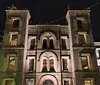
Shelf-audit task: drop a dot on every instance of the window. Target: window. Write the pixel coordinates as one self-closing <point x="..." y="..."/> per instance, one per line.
<point x="88" y="82"/>
<point x="31" y="63"/>
<point x="13" y="38"/>
<point x="51" y="44"/>
<point x="66" y="81"/>
<point x="82" y="38"/>
<point x="8" y="81"/>
<point x="79" y="24"/>
<point x="48" y="44"/>
<point x="12" y="61"/>
<point x="32" y="42"/>
<point x="52" y="65"/>
<point x="32" y="46"/>
<point x="29" y="82"/>
<point x="48" y="65"/>
<point x="48" y="40"/>
<point x="64" y="42"/>
<point x="65" y="63"/>
<point x="44" y="46"/>
<point x="98" y="56"/>
<point x="97" y="52"/>
<point x="85" y="61"/>
<point x="16" y="23"/>
<point x="44" y="65"/>
<point x="98" y="62"/>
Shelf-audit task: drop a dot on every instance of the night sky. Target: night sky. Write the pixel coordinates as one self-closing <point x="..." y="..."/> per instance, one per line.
<point x="53" y="11"/>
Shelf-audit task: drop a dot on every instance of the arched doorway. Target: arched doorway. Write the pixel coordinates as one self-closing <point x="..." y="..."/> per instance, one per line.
<point x="48" y="82"/>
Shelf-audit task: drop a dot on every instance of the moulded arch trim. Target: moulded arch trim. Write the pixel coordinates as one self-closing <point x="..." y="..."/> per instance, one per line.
<point x="50" y="77"/>
<point x="52" y="32"/>
<point x="48" y="51"/>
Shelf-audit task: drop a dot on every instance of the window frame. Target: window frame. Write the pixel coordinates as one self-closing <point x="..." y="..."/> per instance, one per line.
<point x="83" y="23"/>
<point x="29" y="42"/>
<point x="8" y="56"/>
<point x="28" y="58"/>
<point x="67" y="79"/>
<point x="97" y="53"/>
<point x="98" y="62"/>
<point x="48" y="36"/>
<point x="14" y="23"/>
<point x="48" y="68"/>
<point x="85" y="37"/>
<point x="16" y="18"/>
<point x="82" y="20"/>
<point x="66" y="40"/>
<point x="68" y="63"/>
<point x="89" y="79"/>
<point x="43" y="44"/>
<point x="88" y="60"/>
<point x="78" y="26"/>
<point x="13" y="81"/>
<point x="45" y="65"/>
<point x="28" y="80"/>
<point x="10" y="39"/>
<point x="51" y="65"/>
<point x="48" y="43"/>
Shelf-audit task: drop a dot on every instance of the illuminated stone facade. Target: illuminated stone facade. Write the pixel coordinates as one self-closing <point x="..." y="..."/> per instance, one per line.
<point x="48" y="54"/>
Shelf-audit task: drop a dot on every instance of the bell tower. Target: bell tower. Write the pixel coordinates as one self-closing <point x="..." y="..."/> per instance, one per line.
<point x="81" y="43"/>
<point x="14" y="46"/>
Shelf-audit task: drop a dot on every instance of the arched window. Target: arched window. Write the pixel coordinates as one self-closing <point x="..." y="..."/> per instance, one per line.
<point x="48" y="40"/>
<point x="52" y="65"/>
<point x="44" y="46"/>
<point x="48" y="82"/>
<point x="51" y="44"/>
<point x="44" y="65"/>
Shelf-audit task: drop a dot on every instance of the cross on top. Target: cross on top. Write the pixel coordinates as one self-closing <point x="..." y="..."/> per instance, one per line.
<point x="12" y="7"/>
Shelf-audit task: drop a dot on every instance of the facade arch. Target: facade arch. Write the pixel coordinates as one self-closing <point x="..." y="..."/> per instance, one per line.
<point x="48" y="77"/>
<point x="51" y="53"/>
<point x="49" y="39"/>
<point x="48" y="56"/>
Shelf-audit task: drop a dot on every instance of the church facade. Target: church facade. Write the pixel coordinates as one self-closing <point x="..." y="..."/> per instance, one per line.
<point x="48" y="54"/>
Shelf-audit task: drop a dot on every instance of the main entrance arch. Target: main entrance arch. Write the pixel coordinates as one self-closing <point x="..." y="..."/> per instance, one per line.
<point x="48" y="82"/>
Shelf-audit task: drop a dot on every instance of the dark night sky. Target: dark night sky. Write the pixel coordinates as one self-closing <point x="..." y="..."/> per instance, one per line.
<point x="46" y="11"/>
